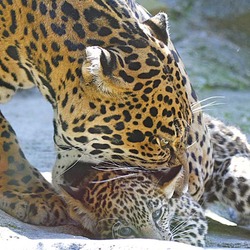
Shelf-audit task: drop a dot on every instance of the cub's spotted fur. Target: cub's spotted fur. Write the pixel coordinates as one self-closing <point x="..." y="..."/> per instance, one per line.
<point x="143" y="206"/>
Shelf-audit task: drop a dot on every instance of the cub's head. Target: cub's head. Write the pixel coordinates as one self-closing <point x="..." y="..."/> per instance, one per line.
<point x="124" y="203"/>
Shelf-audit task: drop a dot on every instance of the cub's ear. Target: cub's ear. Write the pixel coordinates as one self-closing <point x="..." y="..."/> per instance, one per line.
<point x="159" y="27"/>
<point x="169" y="180"/>
<point x="77" y="208"/>
<point x="98" y="68"/>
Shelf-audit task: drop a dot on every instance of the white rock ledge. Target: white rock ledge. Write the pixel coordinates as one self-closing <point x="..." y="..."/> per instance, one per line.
<point x="77" y="244"/>
<point x="15" y="234"/>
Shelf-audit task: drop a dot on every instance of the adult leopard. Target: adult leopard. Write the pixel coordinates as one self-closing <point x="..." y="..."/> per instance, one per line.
<point x="119" y="92"/>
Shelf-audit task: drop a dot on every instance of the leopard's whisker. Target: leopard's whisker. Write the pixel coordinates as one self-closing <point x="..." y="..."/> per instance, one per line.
<point x="191" y="145"/>
<point x="113" y="166"/>
<point x="197" y="107"/>
<point x="112" y="179"/>
<point x="110" y="169"/>
<point x="204" y="107"/>
<point x="71" y="166"/>
<point x="178" y="227"/>
<point x="182" y="234"/>
<point x="206" y="99"/>
<point x="182" y="224"/>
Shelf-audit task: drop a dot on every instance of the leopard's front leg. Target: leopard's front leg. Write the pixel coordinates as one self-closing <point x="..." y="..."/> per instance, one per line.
<point x="24" y="193"/>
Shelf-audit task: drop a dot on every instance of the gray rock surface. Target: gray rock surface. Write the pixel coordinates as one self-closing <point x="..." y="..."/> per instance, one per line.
<point x="212" y="38"/>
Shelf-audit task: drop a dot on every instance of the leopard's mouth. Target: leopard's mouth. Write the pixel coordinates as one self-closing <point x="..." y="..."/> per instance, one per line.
<point x="77" y="171"/>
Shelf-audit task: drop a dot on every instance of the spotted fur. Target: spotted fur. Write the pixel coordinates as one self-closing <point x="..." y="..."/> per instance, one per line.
<point x="117" y="86"/>
<point x="119" y="92"/>
<point x="93" y="63"/>
<point x="143" y="206"/>
<point x="229" y="185"/>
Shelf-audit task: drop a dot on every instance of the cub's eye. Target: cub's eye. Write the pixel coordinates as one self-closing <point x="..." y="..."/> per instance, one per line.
<point x="126" y="231"/>
<point x="157" y="214"/>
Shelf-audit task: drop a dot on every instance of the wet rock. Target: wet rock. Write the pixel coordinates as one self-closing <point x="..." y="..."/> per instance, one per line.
<point x="228" y="236"/>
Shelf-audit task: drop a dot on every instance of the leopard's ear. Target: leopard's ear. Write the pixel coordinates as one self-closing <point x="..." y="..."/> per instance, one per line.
<point x="169" y="180"/>
<point x="98" y="69"/>
<point x="78" y="210"/>
<point x="159" y="27"/>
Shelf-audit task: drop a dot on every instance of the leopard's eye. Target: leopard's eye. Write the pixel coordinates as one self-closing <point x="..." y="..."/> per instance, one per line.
<point x="126" y="231"/>
<point x="157" y="214"/>
<point x="162" y="142"/>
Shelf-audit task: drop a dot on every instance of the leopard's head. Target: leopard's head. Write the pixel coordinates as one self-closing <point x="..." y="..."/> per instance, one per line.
<point x="125" y="203"/>
<point x="130" y="203"/>
<point x="131" y="105"/>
